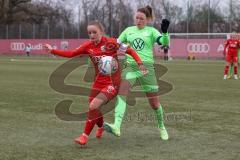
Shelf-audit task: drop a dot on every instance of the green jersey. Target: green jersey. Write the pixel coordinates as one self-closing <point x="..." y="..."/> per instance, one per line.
<point x="142" y="41"/>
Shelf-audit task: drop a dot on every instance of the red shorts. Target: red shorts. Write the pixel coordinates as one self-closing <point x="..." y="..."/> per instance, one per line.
<point x="109" y="90"/>
<point x="232" y="57"/>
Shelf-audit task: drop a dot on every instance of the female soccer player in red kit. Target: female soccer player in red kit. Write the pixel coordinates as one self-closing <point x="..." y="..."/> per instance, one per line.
<point x="232" y="45"/>
<point x="105" y="87"/>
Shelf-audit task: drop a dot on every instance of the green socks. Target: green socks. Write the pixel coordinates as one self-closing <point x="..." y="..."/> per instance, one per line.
<point x="119" y="110"/>
<point x="231" y="70"/>
<point x="159" y="115"/>
<point x="121" y="107"/>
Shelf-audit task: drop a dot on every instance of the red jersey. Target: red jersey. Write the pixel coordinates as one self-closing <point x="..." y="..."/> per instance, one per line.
<point x="106" y="47"/>
<point x="232" y="45"/>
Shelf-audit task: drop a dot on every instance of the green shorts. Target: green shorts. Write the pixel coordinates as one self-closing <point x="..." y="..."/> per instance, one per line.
<point x="148" y="82"/>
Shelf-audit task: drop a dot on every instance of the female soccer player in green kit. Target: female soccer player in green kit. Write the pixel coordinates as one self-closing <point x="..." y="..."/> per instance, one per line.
<point x="141" y="38"/>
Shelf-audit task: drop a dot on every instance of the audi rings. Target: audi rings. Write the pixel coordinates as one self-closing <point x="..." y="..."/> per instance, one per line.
<point x="198" y="48"/>
<point x="17" y="46"/>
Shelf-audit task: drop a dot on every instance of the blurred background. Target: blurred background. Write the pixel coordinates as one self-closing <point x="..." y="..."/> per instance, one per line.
<point x="67" y="19"/>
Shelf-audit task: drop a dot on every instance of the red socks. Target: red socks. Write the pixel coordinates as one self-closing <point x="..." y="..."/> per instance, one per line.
<point x="226" y="70"/>
<point x="235" y="70"/>
<point x="94" y="117"/>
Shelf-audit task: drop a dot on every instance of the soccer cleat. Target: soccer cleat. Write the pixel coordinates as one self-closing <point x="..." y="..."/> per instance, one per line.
<point x="225" y="77"/>
<point x="82" y="139"/>
<point x="163" y="133"/>
<point x="229" y="76"/>
<point x="99" y="132"/>
<point x="235" y="76"/>
<point x="110" y="128"/>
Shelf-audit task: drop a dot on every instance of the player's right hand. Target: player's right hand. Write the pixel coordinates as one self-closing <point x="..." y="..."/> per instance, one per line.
<point x="143" y="69"/>
<point x="224" y="54"/>
<point x="48" y="47"/>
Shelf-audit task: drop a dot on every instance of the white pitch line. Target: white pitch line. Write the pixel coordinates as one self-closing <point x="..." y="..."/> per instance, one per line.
<point x="180" y="63"/>
<point x="193" y="64"/>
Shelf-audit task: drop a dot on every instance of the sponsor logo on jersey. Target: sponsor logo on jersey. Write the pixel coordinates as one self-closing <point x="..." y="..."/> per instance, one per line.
<point x="96" y="58"/>
<point x="110" y="89"/>
<point x="103" y="49"/>
<point x="111" y="47"/>
<point x="138" y="44"/>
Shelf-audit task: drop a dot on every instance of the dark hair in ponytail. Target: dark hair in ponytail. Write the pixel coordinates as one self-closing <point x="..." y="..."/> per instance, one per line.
<point x="148" y="11"/>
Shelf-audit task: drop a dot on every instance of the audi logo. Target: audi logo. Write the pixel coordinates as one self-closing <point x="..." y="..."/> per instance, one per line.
<point x="198" y="48"/>
<point x="17" y="46"/>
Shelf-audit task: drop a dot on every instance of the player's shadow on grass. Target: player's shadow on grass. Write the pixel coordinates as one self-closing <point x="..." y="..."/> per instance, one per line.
<point x="62" y="109"/>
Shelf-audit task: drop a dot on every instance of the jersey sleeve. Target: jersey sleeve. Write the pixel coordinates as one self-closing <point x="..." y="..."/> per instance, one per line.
<point x="123" y="36"/>
<point x="155" y="34"/>
<point x="82" y="50"/>
<point x="225" y="47"/>
<point x="161" y="39"/>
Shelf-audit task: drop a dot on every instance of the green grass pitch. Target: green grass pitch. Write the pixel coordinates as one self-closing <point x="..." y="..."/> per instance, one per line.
<point x="202" y="116"/>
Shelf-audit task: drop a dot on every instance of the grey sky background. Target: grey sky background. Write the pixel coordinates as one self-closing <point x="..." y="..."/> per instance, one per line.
<point x="178" y="2"/>
<point x="222" y="5"/>
<point x="182" y="3"/>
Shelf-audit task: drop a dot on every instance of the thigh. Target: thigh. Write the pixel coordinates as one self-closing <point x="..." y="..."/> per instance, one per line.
<point x="149" y="82"/>
<point x="98" y="101"/>
<point x="229" y="57"/>
<point x="102" y="93"/>
<point x="95" y="90"/>
<point x="95" y="104"/>
<point x="125" y="87"/>
<point x="235" y="57"/>
<point x="129" y="73"/>
<point x="110" y="91"/>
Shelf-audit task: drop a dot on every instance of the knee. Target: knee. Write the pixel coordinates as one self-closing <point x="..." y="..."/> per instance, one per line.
<point x="154" y="102"/>
<point x="123" y="91"/>
<point x="124" y="88"/>
<point x="155" y="105"/>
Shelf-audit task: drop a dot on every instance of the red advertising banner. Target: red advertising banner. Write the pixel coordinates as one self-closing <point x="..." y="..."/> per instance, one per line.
<point x="203" y="48"/>
<point x="16" y="46"/>
<point x="198" y="47"/>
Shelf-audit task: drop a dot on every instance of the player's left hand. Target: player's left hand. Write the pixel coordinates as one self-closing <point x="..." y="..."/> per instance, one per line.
<point x="143" y="69"/>
<point x="164" y="25"/>
<point x="48" y="47"/>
